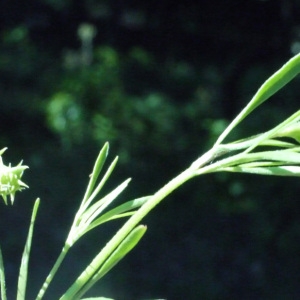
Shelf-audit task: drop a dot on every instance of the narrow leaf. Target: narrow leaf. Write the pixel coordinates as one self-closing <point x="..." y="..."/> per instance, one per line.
<point x="273" y="84"/>
<point x="293" y="119"/>
<point x="85" y="204"/>
<point x="22" y="281"/>
<point x="285" y="156"/>
<point x="3" y="150"/>
<point x="125" y="246"/>
<point x="92" y="212"/>
<point x="104" y="179"/>
<point x="121" y="209"/>
<point x="96" y="170"/>
<point x="84" y="223"/>
<point x="274" y="171"/>
<point x="2" y="277"/>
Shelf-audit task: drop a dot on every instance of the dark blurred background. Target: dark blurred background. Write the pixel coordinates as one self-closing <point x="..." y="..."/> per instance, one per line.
<point x="159" y="80"/>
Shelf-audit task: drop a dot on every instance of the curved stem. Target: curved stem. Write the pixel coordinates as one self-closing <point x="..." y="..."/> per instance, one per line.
<point x="86" y="275"/>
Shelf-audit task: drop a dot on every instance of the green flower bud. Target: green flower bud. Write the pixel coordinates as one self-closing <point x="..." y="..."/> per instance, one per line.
<point x="10" y="179"/>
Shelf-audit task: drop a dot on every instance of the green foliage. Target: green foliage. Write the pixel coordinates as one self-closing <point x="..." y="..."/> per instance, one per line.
<point x="23" y="274"/>
<point x="174" y="58"/>
<point x="17" y="56"/>
<point x="269" y="88"/>
<point x="65" y="117"/>
<point x="124" y="247"/>
<point x="74" y="111"/>
<point x="245" y="156"/>
<point x="100" y="102"/>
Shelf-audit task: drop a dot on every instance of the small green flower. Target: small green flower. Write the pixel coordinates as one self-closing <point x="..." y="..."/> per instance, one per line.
<point x="10" y="179"/>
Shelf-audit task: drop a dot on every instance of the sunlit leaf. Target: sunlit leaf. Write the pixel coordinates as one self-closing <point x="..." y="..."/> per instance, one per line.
<point x="292" y="131"/>
<point x="119" y="211"/>
<point x="274" y="171"/>
<point x="96" y="170"/>
<point x="126" y="246"/>
<point x="22" y="281"/>
<point x="120" y="252"/>
<point x="272" y="85"/>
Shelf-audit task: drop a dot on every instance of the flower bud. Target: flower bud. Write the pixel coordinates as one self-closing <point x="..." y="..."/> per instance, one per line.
<point x="10" y="179"/>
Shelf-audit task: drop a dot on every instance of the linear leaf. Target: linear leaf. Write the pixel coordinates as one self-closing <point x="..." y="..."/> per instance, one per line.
<point x="22" y="281"/>
<point x="2" y="278"/>
<point x="96" y="170"/>
<point x="275" y="171"/>
<point x="125" y="246"/>
<point x="122" y="211"/>
<point x="272" y="85"/>
<point x="125" y="207"/>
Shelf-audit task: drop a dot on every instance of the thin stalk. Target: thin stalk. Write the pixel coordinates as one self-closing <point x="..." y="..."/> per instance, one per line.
<point x="53" y="271"/>
<point x="74" y="292"/>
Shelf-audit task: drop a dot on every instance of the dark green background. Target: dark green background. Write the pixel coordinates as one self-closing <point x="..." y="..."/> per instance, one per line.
<point x="165" y="79"/>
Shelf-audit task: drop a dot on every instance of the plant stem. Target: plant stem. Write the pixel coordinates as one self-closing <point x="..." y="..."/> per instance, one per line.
<point x="53" y="271"/>
<point x="87" y="274"/>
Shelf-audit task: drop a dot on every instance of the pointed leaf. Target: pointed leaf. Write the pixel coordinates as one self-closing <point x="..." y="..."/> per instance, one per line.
<point x="104" y="179"/>
<point x="84" y="223"/>
<point x="275" y="171"/>
<point x="85" y="204"/>
<point x="2" y="278"/>
<point x="273" y="133"/>
<point x="92" y="212"/>
<point x="278" y="80"/>
<point x="22" y="281"/>
<point x="125" y="246"/>
<point x="284" y="156"/>
<point x="121" y="209"/>
<point x="96" y="170"/>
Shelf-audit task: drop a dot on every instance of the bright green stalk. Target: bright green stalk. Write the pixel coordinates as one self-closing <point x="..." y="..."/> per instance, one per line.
<point x="126" y="246"/>
<point x="88" y="273"/>
<point x="85" y="218"/>
<point x="283" y="162"/>
<point x="268" y="159"/>
<point x="53" y="271"/>
<point x="274" y="161"/>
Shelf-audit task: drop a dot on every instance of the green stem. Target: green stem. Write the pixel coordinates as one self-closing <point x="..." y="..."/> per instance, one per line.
<point x="74" y="290"/>
<point x="53" y="271"/>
